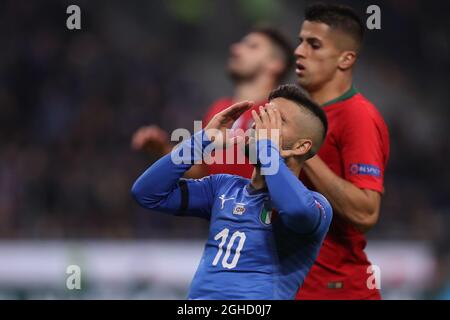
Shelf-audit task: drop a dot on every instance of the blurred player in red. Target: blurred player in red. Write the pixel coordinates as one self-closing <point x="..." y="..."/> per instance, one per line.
<point x="256" y="65"/>
<point x="349" y="168"/>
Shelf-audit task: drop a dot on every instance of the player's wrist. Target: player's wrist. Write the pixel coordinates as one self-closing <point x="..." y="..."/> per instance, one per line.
<point x="267" y="152"/>
<point x="267" y="144"/>
<point x="273" y="143"/>
<point x="201" y="139"/>
<point x="209" y="133"/>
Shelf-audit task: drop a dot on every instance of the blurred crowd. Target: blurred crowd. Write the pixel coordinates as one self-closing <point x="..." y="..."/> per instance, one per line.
<point x="70" y="101"/>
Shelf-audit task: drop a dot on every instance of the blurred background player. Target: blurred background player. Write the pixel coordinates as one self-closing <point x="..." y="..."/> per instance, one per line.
<point x="256" y="65"/>
<point x="349" y="169"/>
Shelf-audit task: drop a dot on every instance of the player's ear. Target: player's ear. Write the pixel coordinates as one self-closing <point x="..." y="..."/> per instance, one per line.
<point x="302" y="147"/>
<point x="347" y="60"/>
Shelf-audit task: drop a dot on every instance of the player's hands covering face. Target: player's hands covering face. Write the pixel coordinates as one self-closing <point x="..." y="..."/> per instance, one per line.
<point x="216" y="129"/>
<point x="268" y="124"/>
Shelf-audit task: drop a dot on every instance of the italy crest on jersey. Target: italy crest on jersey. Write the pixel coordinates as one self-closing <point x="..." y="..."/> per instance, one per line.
<point x="266" y="214"/>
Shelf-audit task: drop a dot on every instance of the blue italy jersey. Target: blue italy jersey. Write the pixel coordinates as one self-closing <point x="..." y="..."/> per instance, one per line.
<point x="261" y="243"/>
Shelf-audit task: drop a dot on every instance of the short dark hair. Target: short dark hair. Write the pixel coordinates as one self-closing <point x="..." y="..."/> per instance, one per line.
<point x="294" y="93"/>
<point x="339" y="17"/>
<point x="279" y="40"/>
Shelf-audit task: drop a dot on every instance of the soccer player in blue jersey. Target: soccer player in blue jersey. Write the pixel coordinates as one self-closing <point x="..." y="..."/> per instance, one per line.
<point x="265" y="232"/>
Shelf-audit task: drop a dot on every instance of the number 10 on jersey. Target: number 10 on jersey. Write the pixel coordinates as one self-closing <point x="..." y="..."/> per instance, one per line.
<point x="223" y="236"/>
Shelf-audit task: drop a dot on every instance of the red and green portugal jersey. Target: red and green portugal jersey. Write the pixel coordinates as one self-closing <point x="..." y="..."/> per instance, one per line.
<point x="356" y="149"/>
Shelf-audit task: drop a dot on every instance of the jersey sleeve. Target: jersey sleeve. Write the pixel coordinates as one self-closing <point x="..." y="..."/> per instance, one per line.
<point x="161" y="186"/>
<point x="196" y="196"/>
<point x="300" y="209"/>
<point x="362" y="150"/>
<point x="326" y="214"/>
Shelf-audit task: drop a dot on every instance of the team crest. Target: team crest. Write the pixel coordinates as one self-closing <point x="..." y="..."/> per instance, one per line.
<point x="266" y="216"/>
<point x="239" y="209"/>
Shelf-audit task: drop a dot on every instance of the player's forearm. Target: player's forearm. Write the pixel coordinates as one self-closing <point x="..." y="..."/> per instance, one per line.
<point x="295" y="203"/>
<point x="197" y="171"/>
<point x="153" y="187"/>
<point x="346" y="199"/>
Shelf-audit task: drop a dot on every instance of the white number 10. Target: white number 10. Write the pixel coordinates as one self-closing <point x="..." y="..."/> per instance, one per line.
<point x="224" y="235"/>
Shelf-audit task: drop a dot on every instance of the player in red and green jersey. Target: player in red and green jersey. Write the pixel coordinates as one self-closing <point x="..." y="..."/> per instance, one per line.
<point x="256" y="65"/>
<point x="349" y="169"/>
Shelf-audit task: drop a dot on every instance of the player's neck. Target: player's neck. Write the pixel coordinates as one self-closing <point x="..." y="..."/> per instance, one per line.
<point x="256" y="90"/>
<point x="330" y="90"/>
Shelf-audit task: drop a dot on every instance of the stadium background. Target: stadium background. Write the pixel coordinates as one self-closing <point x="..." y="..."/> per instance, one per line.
<point x="70" y="101"/>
